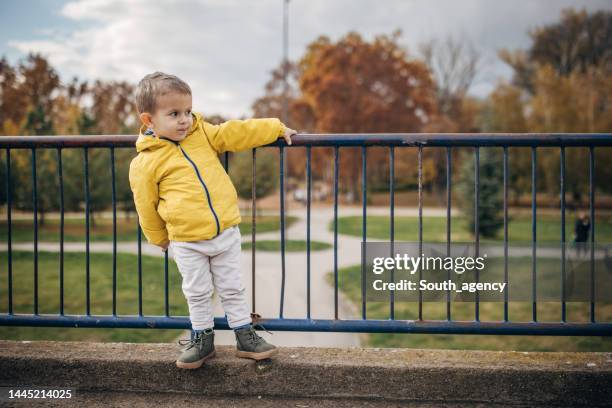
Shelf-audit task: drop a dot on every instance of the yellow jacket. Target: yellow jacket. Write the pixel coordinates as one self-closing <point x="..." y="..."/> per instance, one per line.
<point x="181" y="190"/>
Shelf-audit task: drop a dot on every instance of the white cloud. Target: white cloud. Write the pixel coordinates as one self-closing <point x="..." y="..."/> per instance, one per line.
<point x="225" y="49"/>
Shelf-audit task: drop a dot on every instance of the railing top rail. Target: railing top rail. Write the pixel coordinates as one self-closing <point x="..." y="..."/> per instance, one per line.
<point x="343" y="139"/>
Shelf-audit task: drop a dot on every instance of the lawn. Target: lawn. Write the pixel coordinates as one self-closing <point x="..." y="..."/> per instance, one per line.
<point x="74" y="229"/>
<point x="434" y="228"/>
<point x="101" y="294"/>
<point x="290" y="245"/>
<point x="349" y="284"/>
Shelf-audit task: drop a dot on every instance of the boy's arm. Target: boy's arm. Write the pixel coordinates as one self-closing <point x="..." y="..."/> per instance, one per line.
<point x="237" y="135"/>
<point x="146" y="198"/>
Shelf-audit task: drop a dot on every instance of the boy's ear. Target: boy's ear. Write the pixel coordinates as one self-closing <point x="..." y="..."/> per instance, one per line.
<point x="145" y="118"/>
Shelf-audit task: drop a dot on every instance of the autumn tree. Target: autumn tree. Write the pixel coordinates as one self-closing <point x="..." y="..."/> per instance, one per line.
<point x="300" y="115"/>
<point x="578" y="42"/>
<point x="353" y="85"/>
<point x="37" y="84"/>
<point x="561" y="84"/>
<point x="33" y="101"/>
<point x="13" y="102"/>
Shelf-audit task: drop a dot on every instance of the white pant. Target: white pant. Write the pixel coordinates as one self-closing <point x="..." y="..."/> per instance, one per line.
<point x="214" y="262"/>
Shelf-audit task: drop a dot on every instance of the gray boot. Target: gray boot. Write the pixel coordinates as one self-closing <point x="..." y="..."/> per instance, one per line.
<point x="200" y="348"/>
<point x="251" y="345"/>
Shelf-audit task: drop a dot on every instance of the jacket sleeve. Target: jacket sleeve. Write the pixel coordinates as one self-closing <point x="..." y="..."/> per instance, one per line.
<point x="238" y="135"/>
<point x="146" y="199"/>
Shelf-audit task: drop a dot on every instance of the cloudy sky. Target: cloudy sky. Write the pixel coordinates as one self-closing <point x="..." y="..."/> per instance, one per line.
<point x="226" y="49"/>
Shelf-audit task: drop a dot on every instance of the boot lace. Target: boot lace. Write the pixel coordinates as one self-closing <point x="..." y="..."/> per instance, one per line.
<point x="198" y="340"/>
<point x="255" y="338"/>
<point x="255" y="321"/>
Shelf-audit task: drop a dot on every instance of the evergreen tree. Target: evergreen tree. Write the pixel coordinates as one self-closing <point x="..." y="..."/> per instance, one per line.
<point x="490" y="195"/>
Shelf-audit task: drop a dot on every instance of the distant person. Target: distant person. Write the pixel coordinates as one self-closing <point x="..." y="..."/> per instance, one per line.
<point x="186" y="201"/>
<point x="582" y="226"/>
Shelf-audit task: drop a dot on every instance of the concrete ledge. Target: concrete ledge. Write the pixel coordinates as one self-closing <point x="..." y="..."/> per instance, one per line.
<point x="564" y="379"/>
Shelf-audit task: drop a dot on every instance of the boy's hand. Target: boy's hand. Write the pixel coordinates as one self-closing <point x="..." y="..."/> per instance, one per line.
<point x="287" y="135"/>
<point x="164" y="246"/>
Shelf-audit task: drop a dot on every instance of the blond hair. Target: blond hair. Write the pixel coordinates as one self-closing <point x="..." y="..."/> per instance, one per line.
<point x="154" y="85"/>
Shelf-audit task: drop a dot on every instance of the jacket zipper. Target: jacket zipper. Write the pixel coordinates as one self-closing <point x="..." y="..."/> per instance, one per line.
<point x="201" y="181"/>
<point x="205" y="189"/>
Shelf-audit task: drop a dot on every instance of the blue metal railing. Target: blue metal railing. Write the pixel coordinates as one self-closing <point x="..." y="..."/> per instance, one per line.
<point x="337" y="142"/>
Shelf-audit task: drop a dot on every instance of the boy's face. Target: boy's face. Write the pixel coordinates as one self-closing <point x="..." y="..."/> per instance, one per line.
<point x="172" y="118"/>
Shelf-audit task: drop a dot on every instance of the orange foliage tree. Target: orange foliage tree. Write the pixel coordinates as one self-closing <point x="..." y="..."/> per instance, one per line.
<point x="354" y="86"/>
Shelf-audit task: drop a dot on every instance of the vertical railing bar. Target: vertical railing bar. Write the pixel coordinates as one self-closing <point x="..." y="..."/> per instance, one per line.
<point x="139" y="233"/>
<point x="282" y="221"/>
<point x="308" y="198"/>
<point x="420" y="181"/>
<point x="534" y="307"/>
<point x="35" y="206"/>
<point x="563" y="244"/>
<point x="114" y="201"/>
<point x="336" y="171"/>
<point x="448" y="226"/>
<point x="253" y="226"/>
<point x="10" y="231"/>
<point x="392" y="225"/>
<point x="363" y="228"/>
<point x="87" y="276"/>
<point x="226" y="161"/>
<point x="592" y="217"/>
<point x="477" y="224"/>
<point x="506" y="233"/>
<point x="61" y="185"/>
<point x="166" y="284"/>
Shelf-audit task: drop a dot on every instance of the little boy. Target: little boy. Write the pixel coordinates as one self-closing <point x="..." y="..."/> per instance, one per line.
<point x="186" y="201"/>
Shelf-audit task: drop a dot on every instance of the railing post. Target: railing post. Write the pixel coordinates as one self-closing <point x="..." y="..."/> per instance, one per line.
<point x="563" y="243"/>
<point x="10" y="231"/>
<point x="308" y="198"/>
<point x="506" y="292"/>
<point x="592" y="217"/>
<point x="477" y="224"/>
<point x="420" y="181"/>
<point x="534" y="306"/>
<point x="336" y="171"/>
<point x="35" y="206"/>
<point x="61" y="184"/>
<point x="87" y="277"/>
<point x="364" y="224"/>
<point x="282" y="222"/>
<point x="253" y="227"/>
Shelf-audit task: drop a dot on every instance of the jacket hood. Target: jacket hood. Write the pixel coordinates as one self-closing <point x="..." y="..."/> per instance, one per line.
<point x="148" y="140"/>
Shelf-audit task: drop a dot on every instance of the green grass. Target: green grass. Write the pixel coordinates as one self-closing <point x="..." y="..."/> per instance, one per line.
<point x="290" y="245"/>
<point x="75" y="229"/>
<point x="101" y="294"/>
<point x="349" y="281"/>
<point x="265" y="223"/>
<point x="434" y="228"/>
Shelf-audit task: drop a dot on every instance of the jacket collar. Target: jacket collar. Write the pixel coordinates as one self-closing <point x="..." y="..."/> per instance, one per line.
<point x="148" y="140"/>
